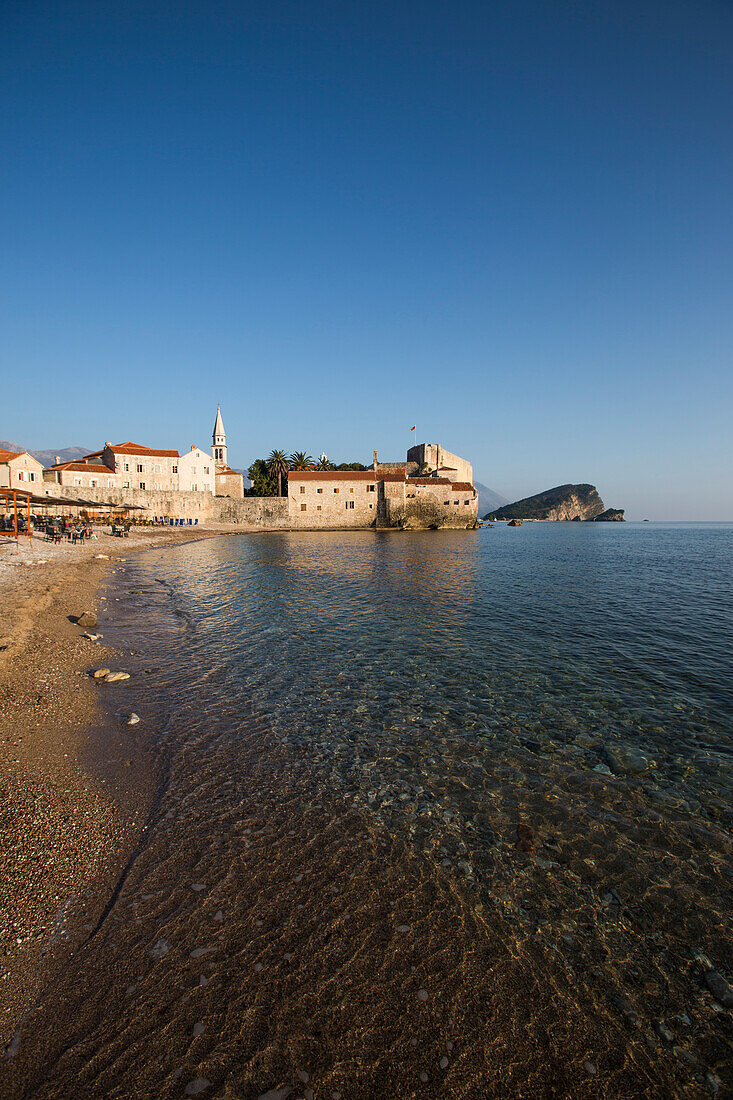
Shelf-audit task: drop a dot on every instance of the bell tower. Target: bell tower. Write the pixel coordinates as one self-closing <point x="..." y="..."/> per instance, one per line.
<point x="219" y="439"/>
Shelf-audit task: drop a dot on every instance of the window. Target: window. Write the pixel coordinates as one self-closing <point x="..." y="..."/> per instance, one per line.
<point x="302" y="489"/>
<point x="371" y="488"/>
<point x="126" y="467"/>
<point x="31" y="476"/>
<point x="303" y="507"/>
<point x="467" y="502"/>
<point x="139" y="467"/>
<point x="174" y="469"/>
<point x="320" y="490"/>
<point x="93" y="483"/>
<point x="456" y="502"/>
<point x="125" y="484"/>
<point x="141" y="485"/>
<point x="206" y="469"/>
<point x="21" y="475"/>
<point x="446" y="502"/>
<point x="351" y="490"/>
<point x="335" y="490"/>
<point x="77" y="481"/>
<point x="318" y="508"/>
<point x="349" y="504"/>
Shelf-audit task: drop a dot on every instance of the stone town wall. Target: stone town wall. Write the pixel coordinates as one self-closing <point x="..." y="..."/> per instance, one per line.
<point x="265" y="512"/>
<point x="426" y="506"/>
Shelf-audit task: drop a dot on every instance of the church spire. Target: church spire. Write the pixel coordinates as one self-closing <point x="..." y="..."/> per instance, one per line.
<point x="219" y="439"/>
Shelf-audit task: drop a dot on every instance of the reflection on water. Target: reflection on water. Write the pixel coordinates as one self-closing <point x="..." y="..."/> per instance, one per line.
<point x="541" y="715"/>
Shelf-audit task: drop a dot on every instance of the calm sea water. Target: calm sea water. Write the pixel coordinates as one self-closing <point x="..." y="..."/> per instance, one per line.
<point x="436" y="809"/>
<point x="423" y="674"/>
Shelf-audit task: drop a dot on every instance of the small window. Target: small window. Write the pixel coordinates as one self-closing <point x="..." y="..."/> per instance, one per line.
<point x="125" y="484"/>
<point x="467" y="502"/>
<point x="21" y="475"/>
<point x="351" y="490"/>
<point x="139" y="467"/>
<point x="32" y="476"/>
<point x="141" y="485"/>
<point x="318" y="507"/>
<point x="320" y="490"/>
<point x="371" y="505"/>
<point x="206" y="469"/>
<point x="303" y="507"/>
<point x="371" y="488"/>
<point x="456" y="502"/>
<point x="335" y="490"/>
<point x="349" y="504"/>
<point x="446" y="502"/>
<point x="93" y="483"/>
<point x="302" y="489"/>
<point x="174" y="469"/>
<point x="126" y="466"/>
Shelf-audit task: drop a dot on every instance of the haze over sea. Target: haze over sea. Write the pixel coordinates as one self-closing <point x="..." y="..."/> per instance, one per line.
<point x="513" y="746"/>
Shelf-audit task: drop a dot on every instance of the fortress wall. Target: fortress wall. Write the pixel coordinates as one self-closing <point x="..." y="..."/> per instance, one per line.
<point x="265" y="512"/>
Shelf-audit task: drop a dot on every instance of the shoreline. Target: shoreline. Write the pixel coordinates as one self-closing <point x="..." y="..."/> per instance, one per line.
<point x="69" y="820"/>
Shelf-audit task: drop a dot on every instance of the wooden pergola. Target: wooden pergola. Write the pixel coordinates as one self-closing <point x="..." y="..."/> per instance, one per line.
<point x="17" y="495"/>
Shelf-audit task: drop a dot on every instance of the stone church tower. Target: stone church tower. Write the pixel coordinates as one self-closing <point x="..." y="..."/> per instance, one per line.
<point x="219" y="450"/>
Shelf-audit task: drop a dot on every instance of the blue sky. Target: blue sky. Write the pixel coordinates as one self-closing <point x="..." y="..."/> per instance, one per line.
<point x="507" y="223"/>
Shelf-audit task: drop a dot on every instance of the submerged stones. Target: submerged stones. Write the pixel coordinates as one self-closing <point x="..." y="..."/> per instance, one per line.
<point x="87" y="618"/>
<point x="719" y="988"/>
<point x="115" y="677"/>
<point x="100" y="673"/>
<point x="627" y="760"/>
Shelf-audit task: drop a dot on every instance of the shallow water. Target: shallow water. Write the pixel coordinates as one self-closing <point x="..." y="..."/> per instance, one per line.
<point x="538" y="718"/>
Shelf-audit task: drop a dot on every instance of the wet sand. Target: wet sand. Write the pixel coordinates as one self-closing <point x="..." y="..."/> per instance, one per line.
<point x="66" y="825"/>
<point x="268" y="940"/>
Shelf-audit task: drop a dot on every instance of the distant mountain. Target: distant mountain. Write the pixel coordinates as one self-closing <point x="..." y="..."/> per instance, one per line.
<point x="574" y="502"/>
<point x="488" y="498"/>
<point x="47" y="458"/>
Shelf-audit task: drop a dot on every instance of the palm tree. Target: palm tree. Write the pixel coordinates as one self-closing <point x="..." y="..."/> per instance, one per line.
<point x="301" y="461"/>
<point x="278" y="465"/>
<point x="324" y="464"/>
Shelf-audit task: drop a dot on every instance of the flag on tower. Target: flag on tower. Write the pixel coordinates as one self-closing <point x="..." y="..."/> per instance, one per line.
<point x="412" y="429"/>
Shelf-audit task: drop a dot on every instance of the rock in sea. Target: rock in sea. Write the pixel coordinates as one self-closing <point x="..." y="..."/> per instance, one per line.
<point x="114" y="677"/>
<point x="100" y="673"/>
<point x="87" y="618"/>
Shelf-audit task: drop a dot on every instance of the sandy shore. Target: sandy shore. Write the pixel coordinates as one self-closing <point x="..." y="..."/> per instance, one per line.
<point x="65" y="829"/>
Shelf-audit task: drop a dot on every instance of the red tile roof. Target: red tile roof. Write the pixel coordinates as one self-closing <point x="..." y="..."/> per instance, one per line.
<point x="7" y="456"/>
<point x="334" y="475"/>
<point x="83" y="467"/>
<point x="138" y="449"/>
<point x="223" y="471"/>
<point x="463" y="487"/>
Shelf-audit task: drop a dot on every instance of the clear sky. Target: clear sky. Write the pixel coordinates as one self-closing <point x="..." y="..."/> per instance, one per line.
<point x="506" y="222"/>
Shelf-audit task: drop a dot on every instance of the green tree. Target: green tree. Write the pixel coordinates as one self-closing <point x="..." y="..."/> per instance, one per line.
<point x="301" y="461"/>
<point x="263" y="485"/>
<point x="324" y="464"/>
<point x="278" y="465"/>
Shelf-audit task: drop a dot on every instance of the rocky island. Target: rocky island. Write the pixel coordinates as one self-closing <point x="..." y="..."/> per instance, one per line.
<point x="564" y="502"/>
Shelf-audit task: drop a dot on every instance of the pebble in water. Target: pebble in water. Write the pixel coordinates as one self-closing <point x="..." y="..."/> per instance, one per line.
<point x="219" y="916"/>
<point x="198" y="1029"/>
<point x="424" y="1077"/>
<point x="199" y="951"/>
<point x="444" y="1062"/>
<point x="198" y="1085"/>
<point x="403" y="928"/>
<point x="159" y="949"/>
<point x="422" y="994"/>
<point x="197" y="886"/>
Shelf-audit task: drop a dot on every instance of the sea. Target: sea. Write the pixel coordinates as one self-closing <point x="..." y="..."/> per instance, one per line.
<point x="518" y="740"/>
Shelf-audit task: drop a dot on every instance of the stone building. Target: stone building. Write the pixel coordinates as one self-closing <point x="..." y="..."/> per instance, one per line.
<point x="121" y="465"/>
<point x="20" y="470"/>
<point x="440" y="462"/>
<point x="385" y="496"/>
